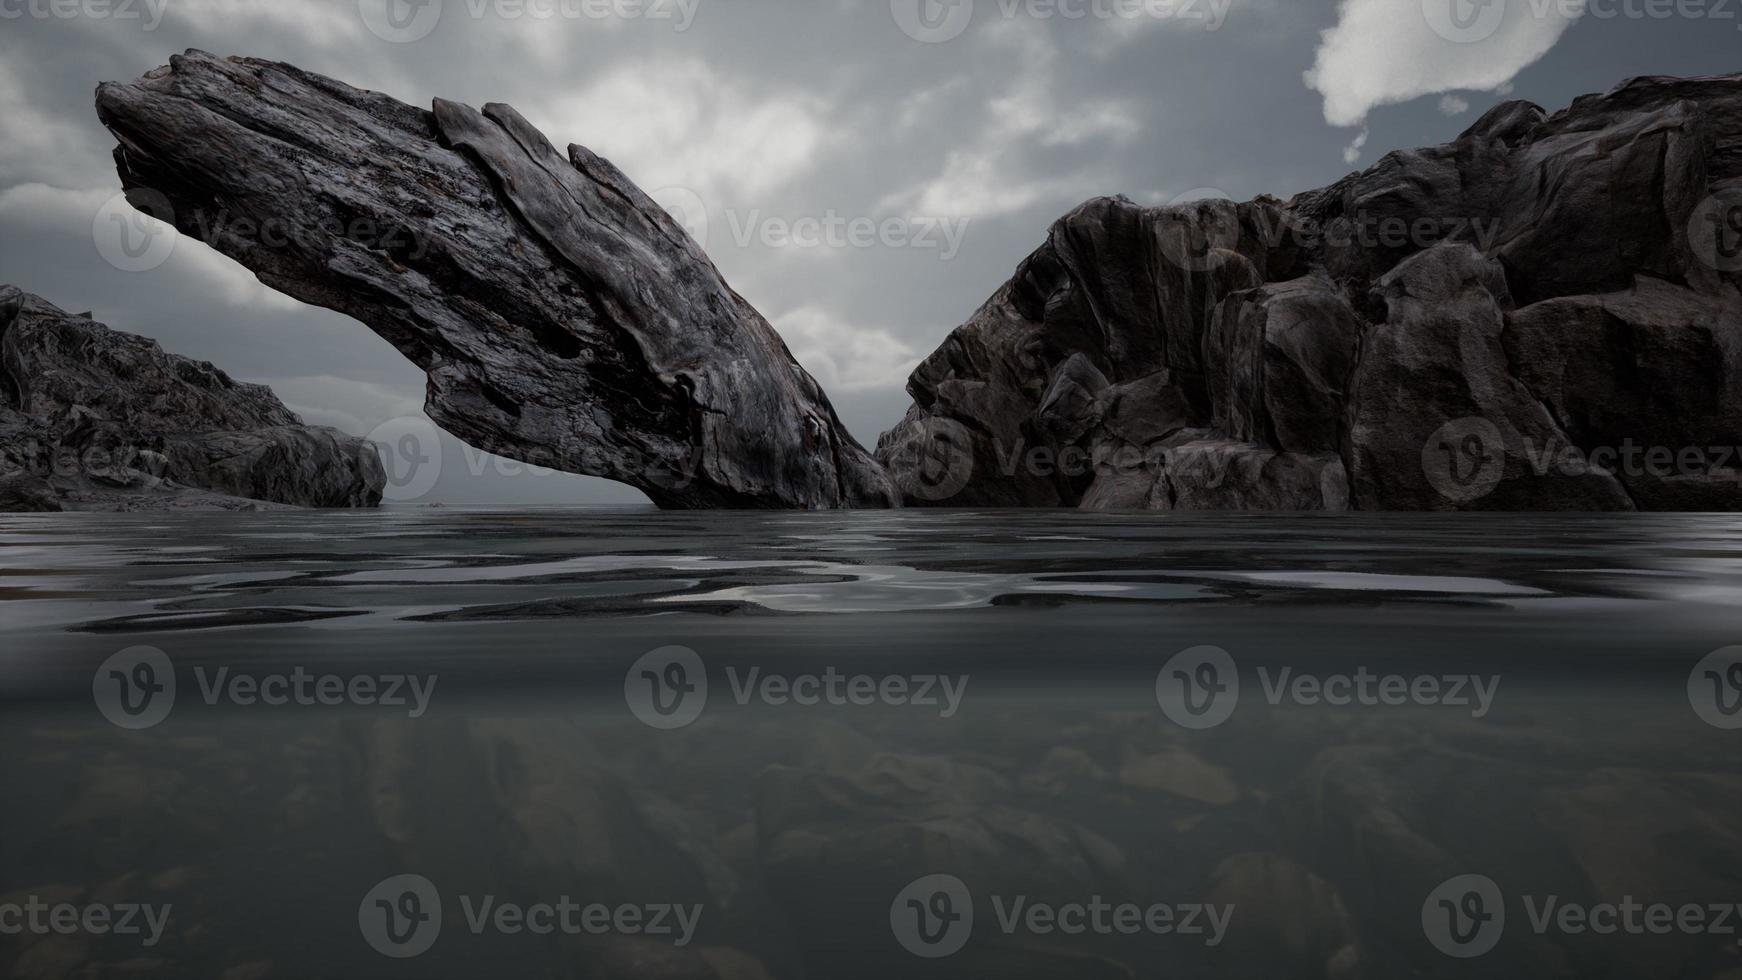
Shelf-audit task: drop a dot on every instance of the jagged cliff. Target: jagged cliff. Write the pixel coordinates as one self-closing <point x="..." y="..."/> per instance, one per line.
<point x="1542" y="314"/>
<point x="562" y="317"/>
<point x="96" y="419"/>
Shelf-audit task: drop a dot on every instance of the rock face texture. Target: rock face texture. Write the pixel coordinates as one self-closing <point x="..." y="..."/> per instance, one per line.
<point x="563" y="318"/>
<point x="1542" y="314"/>
<point x="93" y="419"/>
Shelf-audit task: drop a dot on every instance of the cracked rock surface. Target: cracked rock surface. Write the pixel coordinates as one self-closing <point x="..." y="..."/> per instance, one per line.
<point x="1540" y="315"/>
<point x="562" y="317"/>
<point x="96" y="419"/>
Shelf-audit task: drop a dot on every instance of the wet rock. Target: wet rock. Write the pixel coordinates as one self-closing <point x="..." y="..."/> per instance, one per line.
<point x="1178" y="770"/>
<point x="1291" y="922"/>
<point x="563" y="318"/>
<point x="838" y="848"/>
<point x="97" y="419"/>
<point x="27" y="492"/>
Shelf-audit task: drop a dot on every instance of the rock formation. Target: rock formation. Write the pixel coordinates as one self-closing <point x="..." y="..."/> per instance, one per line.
<point x="94" y="419"/>
<point x="563" y="318"/>
<point x="1542" y="314"/>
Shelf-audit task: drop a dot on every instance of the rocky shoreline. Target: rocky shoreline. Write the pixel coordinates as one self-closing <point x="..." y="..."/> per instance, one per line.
<point x="96" y="419"/>
<point x="1542" y="314"/>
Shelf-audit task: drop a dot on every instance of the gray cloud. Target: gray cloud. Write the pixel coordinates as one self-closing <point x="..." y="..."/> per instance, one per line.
<point x="769" y="116"/>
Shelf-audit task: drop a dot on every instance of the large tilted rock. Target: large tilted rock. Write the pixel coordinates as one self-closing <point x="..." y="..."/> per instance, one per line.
<point x="95" y="419"/>
<point x="563" y="318"/>
<point x="1519" y="319"/>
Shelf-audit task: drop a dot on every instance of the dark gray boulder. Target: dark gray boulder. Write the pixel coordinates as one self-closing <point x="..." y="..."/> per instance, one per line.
<point x="564" y="319"/>
<point x="95" y="419"/>
<point x="1540" y="315"/>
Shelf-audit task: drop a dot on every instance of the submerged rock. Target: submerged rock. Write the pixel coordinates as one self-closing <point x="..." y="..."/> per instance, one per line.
<point x="1542" y="314"/>
<point x="564" y="319"/>
<point x="95" y="419"/>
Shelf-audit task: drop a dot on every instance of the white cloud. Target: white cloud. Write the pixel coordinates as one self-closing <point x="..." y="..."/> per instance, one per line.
<point x="985" y="176"/>
<point x="1352" y="152"/>
<point x="1453" y="105"/>
<point x="681" y="123"/>
<point x="843" y="357"/>
<point x="1383" y="52"/>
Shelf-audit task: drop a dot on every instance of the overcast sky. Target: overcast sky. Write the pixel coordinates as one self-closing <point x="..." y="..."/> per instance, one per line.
<point x="961" y="128"/>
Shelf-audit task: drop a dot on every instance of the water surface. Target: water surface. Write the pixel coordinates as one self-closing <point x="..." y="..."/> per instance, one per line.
<point x="1057" y="772"/>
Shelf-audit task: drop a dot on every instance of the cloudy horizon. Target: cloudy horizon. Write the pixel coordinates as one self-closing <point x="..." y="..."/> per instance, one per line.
<point x="865" y="172"/>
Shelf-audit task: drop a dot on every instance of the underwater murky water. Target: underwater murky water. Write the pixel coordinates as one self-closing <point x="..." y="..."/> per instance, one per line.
<point x="629" y="744"/>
